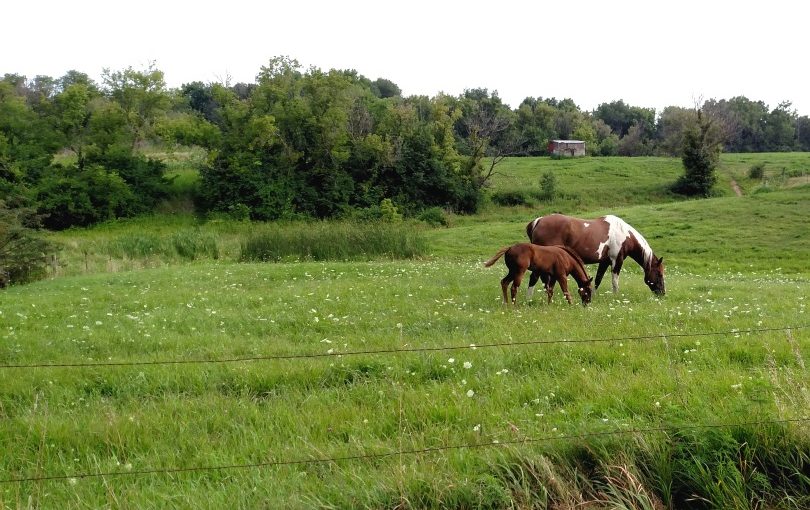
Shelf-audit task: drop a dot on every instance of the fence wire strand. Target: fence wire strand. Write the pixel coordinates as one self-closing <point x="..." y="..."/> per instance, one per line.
<point x="417" y="451"/>
<point x="402" y="350"/>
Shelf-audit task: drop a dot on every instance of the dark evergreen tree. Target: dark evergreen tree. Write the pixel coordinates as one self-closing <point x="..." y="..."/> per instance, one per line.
<point x="701" y="154"/>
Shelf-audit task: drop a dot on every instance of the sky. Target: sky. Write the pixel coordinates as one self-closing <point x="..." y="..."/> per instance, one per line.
<point x="652" y="53"/>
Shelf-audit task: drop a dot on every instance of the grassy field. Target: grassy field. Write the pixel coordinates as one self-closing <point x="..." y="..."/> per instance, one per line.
<point x="578" y="414"/>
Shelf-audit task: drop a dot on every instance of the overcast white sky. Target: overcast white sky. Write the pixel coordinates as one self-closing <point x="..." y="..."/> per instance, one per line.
<point x="651" y="53"/>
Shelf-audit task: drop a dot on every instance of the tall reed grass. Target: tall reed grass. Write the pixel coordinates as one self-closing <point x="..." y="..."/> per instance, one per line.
<point x="189" y="244"/>
<point x="334" y="241"/>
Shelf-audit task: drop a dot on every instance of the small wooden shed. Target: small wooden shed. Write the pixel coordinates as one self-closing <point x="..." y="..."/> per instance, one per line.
<point x="570" y="148"/>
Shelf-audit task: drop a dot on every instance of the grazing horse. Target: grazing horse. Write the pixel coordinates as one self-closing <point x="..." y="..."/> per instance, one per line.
<point x="549" y="263"/>
<point x="607" y="240"/>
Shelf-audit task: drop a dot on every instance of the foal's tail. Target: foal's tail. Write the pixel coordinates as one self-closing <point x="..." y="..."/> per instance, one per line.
<point x="496" y="256"/>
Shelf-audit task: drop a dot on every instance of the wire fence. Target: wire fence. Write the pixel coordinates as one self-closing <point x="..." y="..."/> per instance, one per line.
<point x="402" y="350"/>
<point x="419" y="451"/>
<point x="671" y="428"/>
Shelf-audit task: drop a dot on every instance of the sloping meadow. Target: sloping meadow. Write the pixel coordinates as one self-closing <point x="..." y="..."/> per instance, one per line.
<point x="224" y="384"/>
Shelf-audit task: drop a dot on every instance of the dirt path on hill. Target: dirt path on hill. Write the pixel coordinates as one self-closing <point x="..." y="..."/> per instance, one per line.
<point x="736" y="188"/>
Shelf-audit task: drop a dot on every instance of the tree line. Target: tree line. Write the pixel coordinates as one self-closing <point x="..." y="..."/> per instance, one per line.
<point x="307" y="143"/>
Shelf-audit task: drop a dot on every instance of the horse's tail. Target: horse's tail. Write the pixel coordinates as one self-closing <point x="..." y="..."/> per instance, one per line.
<point x="577" y="258"/>
<point x="530" y="227"/>
<point x="496" y="256"/>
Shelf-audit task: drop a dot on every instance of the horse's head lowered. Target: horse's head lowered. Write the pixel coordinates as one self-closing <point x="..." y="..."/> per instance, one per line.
<point x="586" y="292"/>
<point x="654" y="275"/>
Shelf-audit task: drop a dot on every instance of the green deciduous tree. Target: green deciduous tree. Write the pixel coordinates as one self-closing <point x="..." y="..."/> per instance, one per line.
<point x="28" y="140"/>
<point x="672" y="124"/>
<point x="621" y="117"/>
<point x="780" y="131"/>
<point x="142" y="95"/>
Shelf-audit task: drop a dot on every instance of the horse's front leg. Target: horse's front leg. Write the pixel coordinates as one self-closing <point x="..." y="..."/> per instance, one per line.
<point x="564" y="287"/>
<point x="600" y="272"/>
<point x="617" y="267"/>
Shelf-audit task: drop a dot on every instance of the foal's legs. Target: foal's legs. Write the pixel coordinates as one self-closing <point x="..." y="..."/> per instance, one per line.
<point x="505" y="281"/>
<point x="548" y="283"/>
<point x="516" y="284"/>
<point x="564" y="286"/>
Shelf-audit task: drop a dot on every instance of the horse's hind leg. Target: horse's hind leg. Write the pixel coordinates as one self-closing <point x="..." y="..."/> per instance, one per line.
<point x="617" y="266"/>
<point x="548" y="283"/>
<point x="532" y="282"/>
<point x="505" y="283"/>
<point x="516" y="285"/>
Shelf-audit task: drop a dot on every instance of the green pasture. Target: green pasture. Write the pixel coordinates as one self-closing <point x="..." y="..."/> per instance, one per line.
<point x="574" y="406"/>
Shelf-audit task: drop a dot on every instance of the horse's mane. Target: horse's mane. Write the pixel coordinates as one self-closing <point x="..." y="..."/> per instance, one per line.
<point x="576" y="257"/>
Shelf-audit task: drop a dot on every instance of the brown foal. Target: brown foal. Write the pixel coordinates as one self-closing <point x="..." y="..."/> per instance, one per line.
<point x="550" y="264"/>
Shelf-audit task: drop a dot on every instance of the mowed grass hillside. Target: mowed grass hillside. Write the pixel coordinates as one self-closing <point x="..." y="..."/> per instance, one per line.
<point x="533" y="406"/>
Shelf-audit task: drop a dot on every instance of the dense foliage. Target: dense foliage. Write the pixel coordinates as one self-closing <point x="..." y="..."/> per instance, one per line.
<point x="311" y="143"/>
<point x="701" y="154"/>
<point x="23" y="254"/>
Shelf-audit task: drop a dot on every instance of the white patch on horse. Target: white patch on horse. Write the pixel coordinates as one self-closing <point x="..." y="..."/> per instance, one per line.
<point x="618" y="232"/>
<point x="587" y="224"/>
<point x="534" y="225"/>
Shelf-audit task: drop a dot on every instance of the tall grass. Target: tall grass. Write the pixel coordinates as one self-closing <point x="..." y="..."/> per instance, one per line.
<point x="189" y="244"/>
<point x="334" y="241"/>
<point x="56" y="421"/>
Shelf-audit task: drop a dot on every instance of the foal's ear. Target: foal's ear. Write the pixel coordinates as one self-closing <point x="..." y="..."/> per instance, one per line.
<point x="660" y="261"/>
<point x="589" y="280"/>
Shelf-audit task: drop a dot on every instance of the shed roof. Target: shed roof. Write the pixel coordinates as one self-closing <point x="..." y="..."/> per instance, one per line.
<point x="568" y="141"/>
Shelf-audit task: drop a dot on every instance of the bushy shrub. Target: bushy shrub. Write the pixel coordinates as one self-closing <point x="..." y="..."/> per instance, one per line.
<point x="389" y="211"/>
<point x="239" y="212"/>
<point x="365" y="214"/>
<point x="548" y="187"/>
<point x="510" y="197"/>
<point x="145" y="177"/>
<point x="69" y="197"/>
<point x="757" y="171"/>
<point x="433" y="216"/>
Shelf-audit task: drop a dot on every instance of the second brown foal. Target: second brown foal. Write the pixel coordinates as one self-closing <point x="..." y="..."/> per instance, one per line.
<point x="550" y="264"/>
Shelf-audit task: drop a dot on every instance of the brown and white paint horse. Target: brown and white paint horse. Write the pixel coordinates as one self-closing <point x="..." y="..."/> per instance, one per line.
<point x="607" y="240"/>
<point x="551" y="264"/>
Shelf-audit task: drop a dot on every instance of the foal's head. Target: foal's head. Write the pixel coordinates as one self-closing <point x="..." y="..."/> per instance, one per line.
<point x="586" y="292"/>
